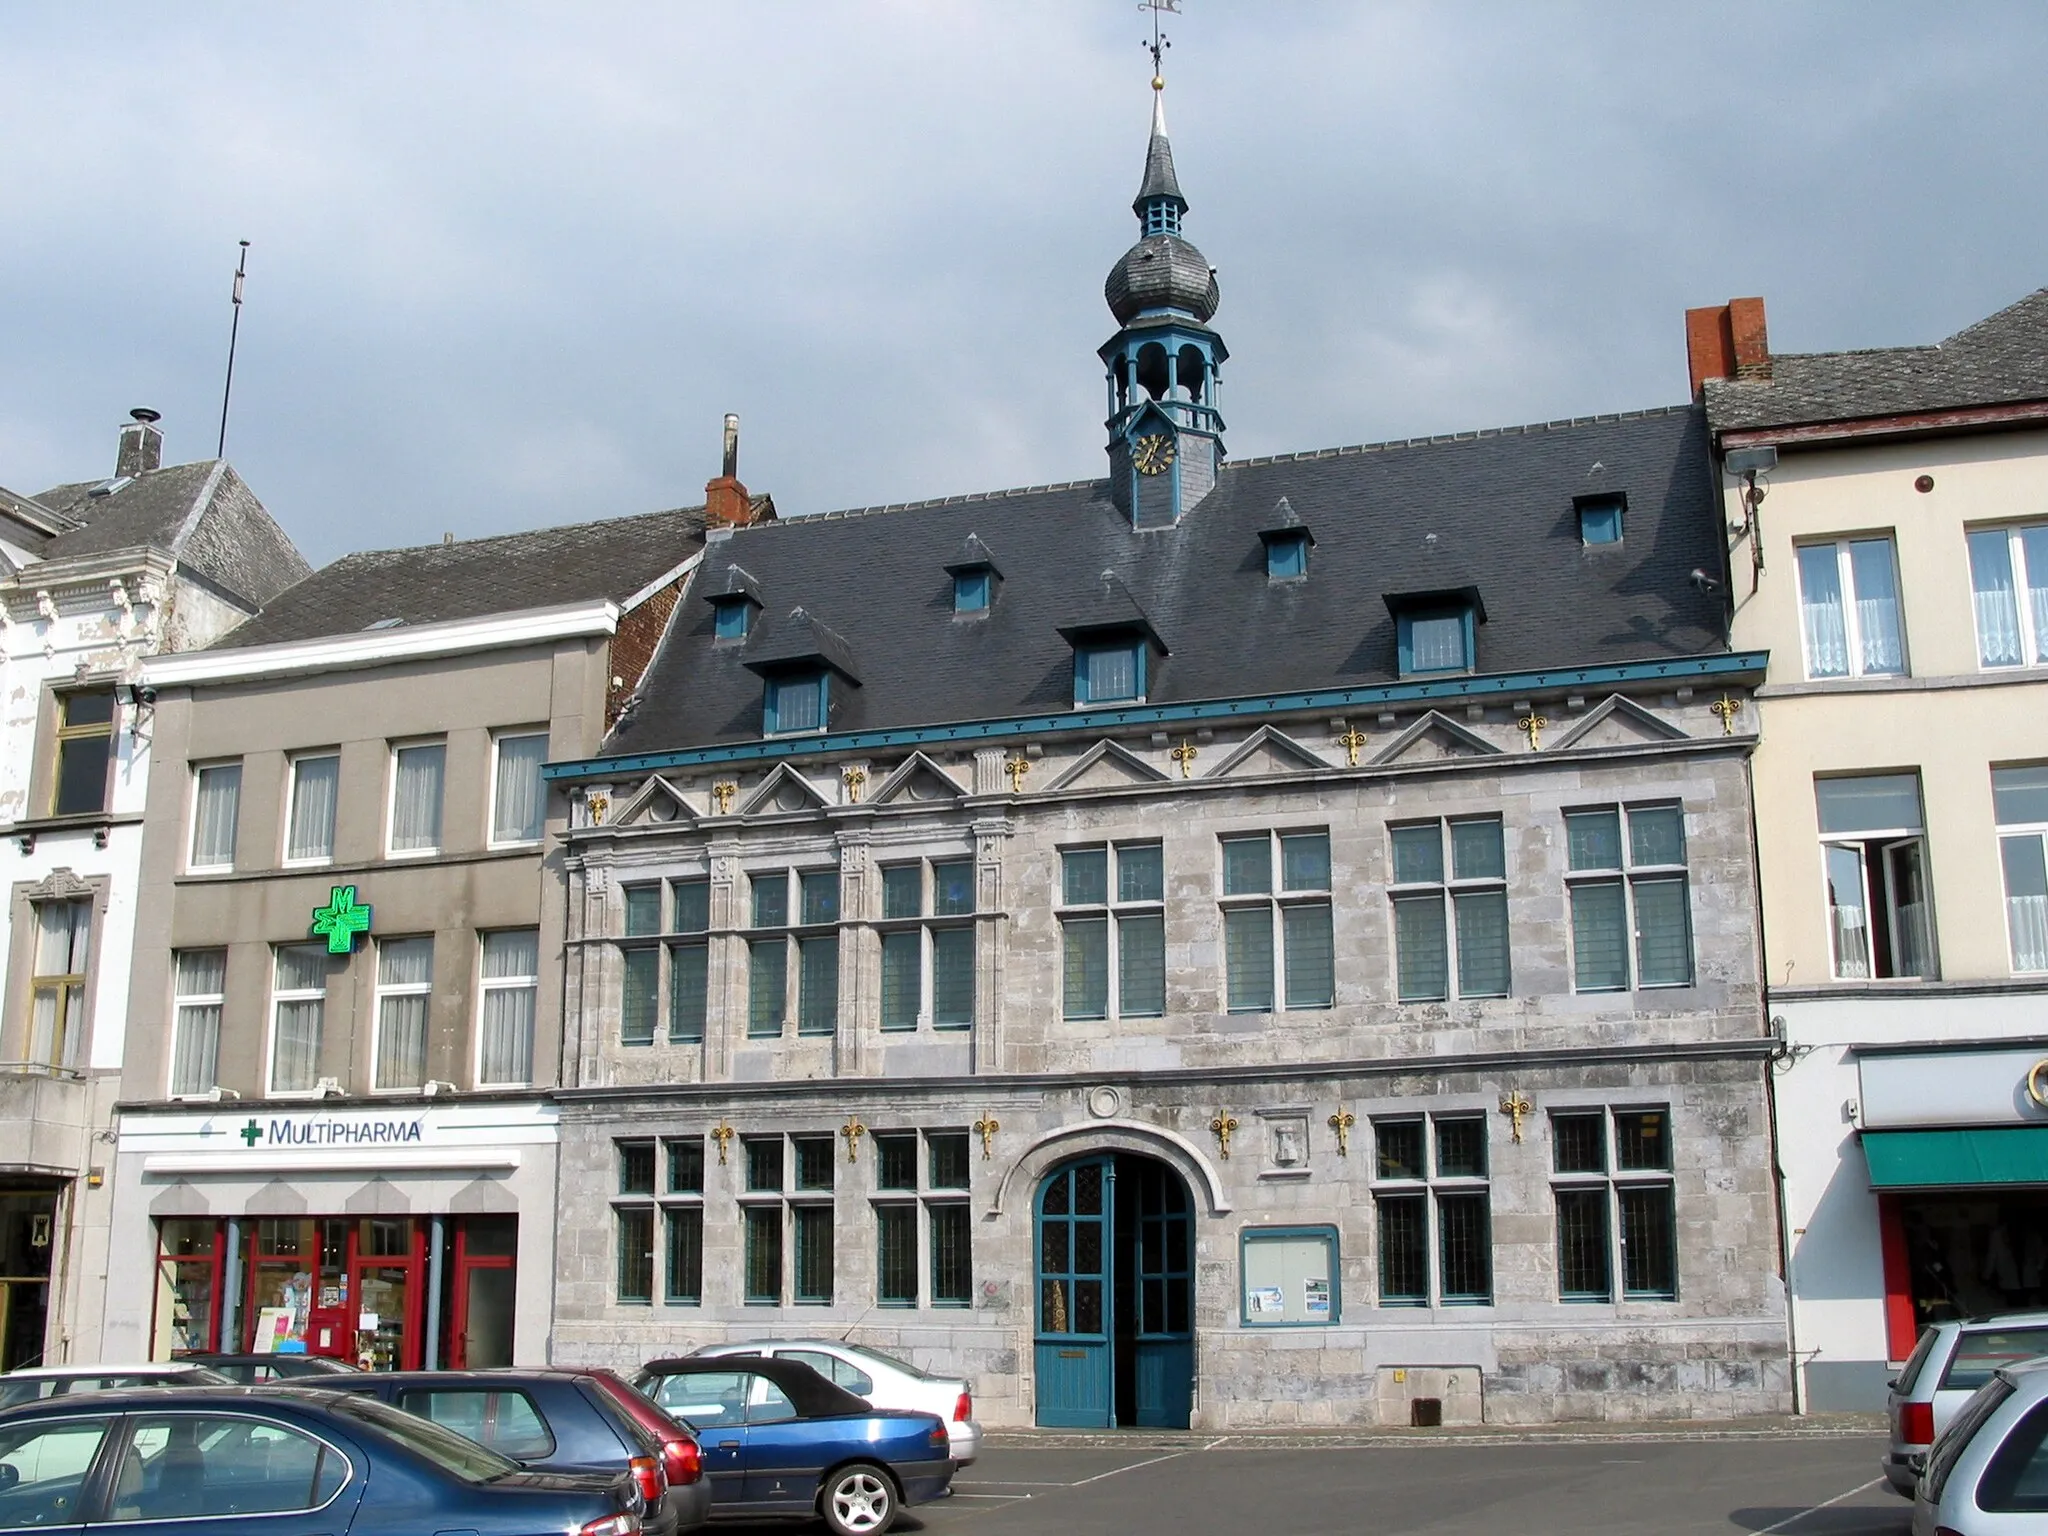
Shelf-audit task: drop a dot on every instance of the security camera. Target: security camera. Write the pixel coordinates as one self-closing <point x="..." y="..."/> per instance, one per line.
<point x="1703" y="581"/>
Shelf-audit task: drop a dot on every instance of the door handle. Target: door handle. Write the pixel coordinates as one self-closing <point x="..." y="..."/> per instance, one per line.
<point x="728" y="1445"/>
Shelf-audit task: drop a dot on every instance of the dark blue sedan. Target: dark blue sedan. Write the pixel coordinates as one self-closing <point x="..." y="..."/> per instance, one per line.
<point x="779" y="1439"/>
<point x="278" y="1462"/>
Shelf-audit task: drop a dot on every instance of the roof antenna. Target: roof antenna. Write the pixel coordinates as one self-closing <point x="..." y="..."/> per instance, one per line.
<point x="234" y="333"/>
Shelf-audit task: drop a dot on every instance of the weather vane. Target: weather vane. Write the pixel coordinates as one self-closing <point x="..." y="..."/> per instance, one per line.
<point x="1160" y="42"/>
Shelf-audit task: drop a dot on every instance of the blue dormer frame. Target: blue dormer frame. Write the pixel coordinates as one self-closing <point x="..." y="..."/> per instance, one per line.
<point x="1286" y="554"/>
<point x="796" y="703"/>
<point x="731" y="617"/>
<point x="1162" y="216"/>
<point x="973" y="589"/>
<point x="1110" y="670"/>
<point x="1431" y="635"/>
<point x="1600" y="517"/>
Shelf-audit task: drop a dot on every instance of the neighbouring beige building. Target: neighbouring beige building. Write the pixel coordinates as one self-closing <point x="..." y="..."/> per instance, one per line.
<point x="1888" y="527"/>
<point x="336" y="1133"/>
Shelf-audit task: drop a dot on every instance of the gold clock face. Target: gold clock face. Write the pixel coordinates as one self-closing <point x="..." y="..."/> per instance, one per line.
<point x="1152" y="453"/>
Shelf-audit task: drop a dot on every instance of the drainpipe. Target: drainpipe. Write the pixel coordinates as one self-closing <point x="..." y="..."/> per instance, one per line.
<point x="431" y="1358"/>
<point x="231" y="1287"/>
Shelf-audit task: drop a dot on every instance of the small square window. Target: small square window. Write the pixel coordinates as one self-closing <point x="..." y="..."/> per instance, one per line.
<point x="813" y="1162"/>
<point x="1436" y="640"/>
<point x="796" y="704"/>
<point x="896" y="1160"/>
<point x="1642" y="1141"/>
<point x="903" y="891"/>
<point x="636" y="1167"/>
<point x="1247" y="865"/>
<point x="731" y="618"/>
<point x="820" y="895"/>
<point x="643" y="910"/>
<point x="771" y="899"/>
<point x="1579" y="1143"/>
<point x="971" y="591"/>
<point x="686" y="1166"/>
<point x="1600" y="519"/>
<point x="948" y="1159"/>
<point x="1085" y="876"/>
<point x="1461" y="1148"/>
<point x="1400" y="1149"/>
<point x="952" y="887"/>
<point x="764" y="1164"/>
<point x="693" y="906"/>
<point x="1109" y="674"/>
<point x="1287" y="557"/>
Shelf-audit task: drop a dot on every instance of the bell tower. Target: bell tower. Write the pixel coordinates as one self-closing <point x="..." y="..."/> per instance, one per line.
<point x="1165" y="431"/>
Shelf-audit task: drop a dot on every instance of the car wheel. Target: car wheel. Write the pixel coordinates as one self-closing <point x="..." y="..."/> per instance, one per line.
<point x="858" y="1501"/>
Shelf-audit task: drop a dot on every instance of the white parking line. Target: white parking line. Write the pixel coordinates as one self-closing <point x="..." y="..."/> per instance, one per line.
<point x="1118" y="1471"/>
<point x="1816" y="1509"/>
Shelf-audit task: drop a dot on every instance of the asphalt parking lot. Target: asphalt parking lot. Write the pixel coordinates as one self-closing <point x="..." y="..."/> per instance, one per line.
<point x="1714" y="1487"/>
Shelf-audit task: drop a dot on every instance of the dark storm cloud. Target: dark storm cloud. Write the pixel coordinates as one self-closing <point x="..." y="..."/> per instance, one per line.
<point x="512" y="262"/>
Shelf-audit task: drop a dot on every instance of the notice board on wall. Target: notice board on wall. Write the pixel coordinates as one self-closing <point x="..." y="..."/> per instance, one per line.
<point x="1289" y="1278"/>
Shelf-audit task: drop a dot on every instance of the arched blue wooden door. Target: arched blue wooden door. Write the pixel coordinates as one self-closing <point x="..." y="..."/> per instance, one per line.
<point x="1165" y="1339"/>
<point x="1075" y="1366"/>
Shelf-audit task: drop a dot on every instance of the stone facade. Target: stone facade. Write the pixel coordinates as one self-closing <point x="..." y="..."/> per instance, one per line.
<point x="1047" y="1089"/>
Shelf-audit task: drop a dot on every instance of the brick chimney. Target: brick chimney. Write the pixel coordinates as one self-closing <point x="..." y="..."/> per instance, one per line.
<point x="726" y="503"/>
<point x="1727" y="341"/>
<point x="142" y="444"/>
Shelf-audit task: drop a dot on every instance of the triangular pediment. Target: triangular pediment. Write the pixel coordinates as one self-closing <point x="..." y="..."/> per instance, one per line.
<point x="1266" y="752"/>
<point x="784" y="790"/>
<point x="1106" y="765"/>
<point x="917" y="778"/>
<point x="1619" y="722"/>
<point x="656" y="802"/>
<point x="1433" y="738"/>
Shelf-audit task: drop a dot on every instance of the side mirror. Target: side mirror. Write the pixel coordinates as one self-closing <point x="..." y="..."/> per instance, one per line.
<point x="1892" y="1385"/>
<point x="10" y="1474"/>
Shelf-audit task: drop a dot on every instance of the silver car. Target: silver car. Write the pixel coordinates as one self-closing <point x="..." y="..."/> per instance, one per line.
<point x="883" y="1380"/>
<point x="1951" y="1361"/>
<point x="1988" y="1473"/>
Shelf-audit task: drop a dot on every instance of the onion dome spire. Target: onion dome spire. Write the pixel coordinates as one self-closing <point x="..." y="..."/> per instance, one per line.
<point x="1162" y="272"/>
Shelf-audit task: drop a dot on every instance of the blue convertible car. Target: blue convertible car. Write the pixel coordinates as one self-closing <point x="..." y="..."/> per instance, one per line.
<point x="779" y="1439"/>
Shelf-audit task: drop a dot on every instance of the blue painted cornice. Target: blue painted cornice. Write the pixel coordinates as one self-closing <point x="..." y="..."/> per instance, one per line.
<point x="1738" y="666"/>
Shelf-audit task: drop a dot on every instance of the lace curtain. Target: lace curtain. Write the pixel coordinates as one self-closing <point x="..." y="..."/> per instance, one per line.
<point x="416" y="798"/>
<point x="511" y="972"/>
<point x="295" y="1043"/>
<point x="520" y="801"/>
<point x="202" y="978"/>
<point x="402" y="1015"/>
<point x="216" y="800"/>
<point x="314" y="783"/>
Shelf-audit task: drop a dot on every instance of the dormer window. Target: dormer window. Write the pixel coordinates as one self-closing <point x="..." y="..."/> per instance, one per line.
<point x="972" y="590"/>
<point x="1600" y="518"/>
<point x="731" y="617"/>
<point x="1287" y="556"/>
<point x="1110" y="672"/>
<point x="795" y="703"/>
<point x="1437" y="632"/>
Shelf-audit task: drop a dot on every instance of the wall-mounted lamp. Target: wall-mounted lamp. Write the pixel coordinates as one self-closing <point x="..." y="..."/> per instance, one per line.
<point x="138" y="700"/>
<point x="1750" y="465"/>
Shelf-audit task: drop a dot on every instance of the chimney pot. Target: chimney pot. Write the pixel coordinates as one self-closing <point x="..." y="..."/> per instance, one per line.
<point x="142" y="444"/>
<point x="726" y="503"/>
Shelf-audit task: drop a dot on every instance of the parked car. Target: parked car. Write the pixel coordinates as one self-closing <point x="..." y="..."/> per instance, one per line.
<point x="276" y="1461"/>
<point x="555" y="1421"/>
<point x="39" y="1381"/>
<point x="883" y="1380"/>
<point x="1988" y="1473"/>
<point x="1951" y="1361"/>
<point x="779" y="1439"/>
<point x="253" y="1370"/>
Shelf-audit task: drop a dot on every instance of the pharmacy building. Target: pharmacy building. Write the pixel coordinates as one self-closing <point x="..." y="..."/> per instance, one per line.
<point x="1226" y="943"/>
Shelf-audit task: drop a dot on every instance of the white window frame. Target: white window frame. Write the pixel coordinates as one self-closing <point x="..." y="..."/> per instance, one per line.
<point x="1852" y="623"/>
<point x="2016" y="831"/>
<point x="199" y="772"/>
<point x="391" y="849"/>
<point x="293" y="995"/>
<point x="291" y="806"/>
<point x="180" y="1001"/>
<point x="1880" y="842"/>
<point x="485" y="985"/>
<point x="2016" y="556"/>
<point x="400" y="989"/>
<point x="498" y="740"/>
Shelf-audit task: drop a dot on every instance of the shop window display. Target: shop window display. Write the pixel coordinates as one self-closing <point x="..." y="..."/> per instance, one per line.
<point x="188" y="1289"/>
<point x="1974" y="1253"/>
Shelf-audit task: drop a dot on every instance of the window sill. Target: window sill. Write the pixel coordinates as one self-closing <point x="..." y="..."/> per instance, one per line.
<point x="682" y="1301"/>
<point x="98" y="823"/>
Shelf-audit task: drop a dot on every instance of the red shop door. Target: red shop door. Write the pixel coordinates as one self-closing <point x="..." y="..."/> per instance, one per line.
<point x="480" y="1320"/>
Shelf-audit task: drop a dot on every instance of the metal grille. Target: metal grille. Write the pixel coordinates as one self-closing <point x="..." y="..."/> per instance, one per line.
<point x="1647" y="1258"/>
<point x="636" y="1253"/>
<point x="764" y="1253"/>
<point x="896" y="1255"/>
<point x="1404" y="1250"/>
<point x="814" y="1163"/>
<point x="813" y="1253"/>
<point x="952" y="1256"/>
<point x="1582" y="1263"/>
<point x="1465" y="1259"/>
<point x="685" y="1254"/>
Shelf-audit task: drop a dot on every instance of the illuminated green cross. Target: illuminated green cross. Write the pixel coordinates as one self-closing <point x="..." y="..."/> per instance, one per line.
<point x="250" y="1134"/>
<point x="341" y="920"/>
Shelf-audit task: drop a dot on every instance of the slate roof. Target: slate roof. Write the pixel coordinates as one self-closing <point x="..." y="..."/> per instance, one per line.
<point x="1491" y="510"/>
<point x="436" y="583"/>
<point x="202" y="514"/>
<point x="2000" y="360"/>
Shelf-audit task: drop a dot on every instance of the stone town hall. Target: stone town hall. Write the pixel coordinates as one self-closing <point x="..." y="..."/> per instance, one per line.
<point x="1228" y="942"/>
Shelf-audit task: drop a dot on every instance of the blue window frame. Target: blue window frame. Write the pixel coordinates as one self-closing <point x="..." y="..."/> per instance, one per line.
<point x="1600" y="519"/>
<point x="1109" y="674"/>
<point x="1436" y="640"/>
<point x="1287" y="557"/>
<point x="730" y="618"/>
<point x="795" y="703"/>
<point x="971" y="591"/>
<point x="1289" y="1278"/>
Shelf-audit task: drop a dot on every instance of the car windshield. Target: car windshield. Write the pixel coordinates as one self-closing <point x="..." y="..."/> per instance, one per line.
<point x="1968" y="1420"/>
<point x="1979" y="1352"/>
<point x="451" y="1452"/>
<point x="889" y="1360"/>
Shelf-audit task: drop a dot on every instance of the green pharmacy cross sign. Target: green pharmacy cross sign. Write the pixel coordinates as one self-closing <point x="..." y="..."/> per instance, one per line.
<point x="341" y="920"/>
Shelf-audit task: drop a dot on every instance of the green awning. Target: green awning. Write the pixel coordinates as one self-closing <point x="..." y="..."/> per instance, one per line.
<point x="1993" y="1154"/>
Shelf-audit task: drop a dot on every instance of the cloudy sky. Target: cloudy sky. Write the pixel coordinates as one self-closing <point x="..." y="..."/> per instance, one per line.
<point x="511" y="262"/>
